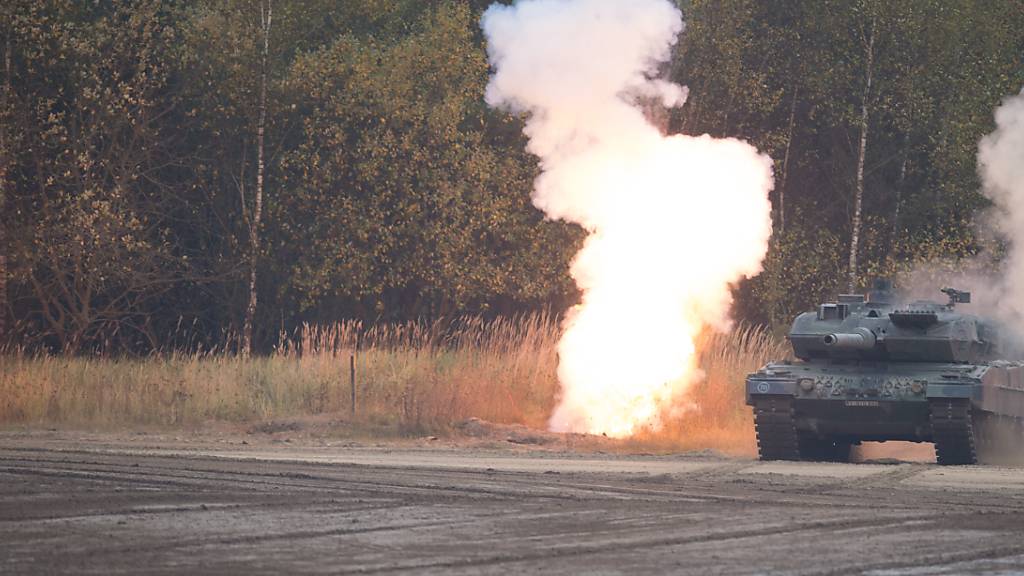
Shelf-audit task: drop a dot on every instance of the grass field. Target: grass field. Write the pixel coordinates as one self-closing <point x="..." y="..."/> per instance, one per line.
<point x="410" y="379"/>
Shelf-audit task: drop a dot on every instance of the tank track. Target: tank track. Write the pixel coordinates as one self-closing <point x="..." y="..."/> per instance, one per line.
<point x="776" y="428"/>
<point x="953" y="431"/>
<point x="998" y="439"/>
<point x="823" y="449"/>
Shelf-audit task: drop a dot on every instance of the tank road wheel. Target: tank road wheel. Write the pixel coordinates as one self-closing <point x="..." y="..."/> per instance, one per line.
<point x="953" y="431"/>
<point x="776" y="428"/>
<point x="823" y="449"/>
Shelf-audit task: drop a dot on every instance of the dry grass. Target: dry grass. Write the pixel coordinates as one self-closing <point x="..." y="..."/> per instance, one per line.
<point x="713" y="414"/>
<point x="411" y="378"/>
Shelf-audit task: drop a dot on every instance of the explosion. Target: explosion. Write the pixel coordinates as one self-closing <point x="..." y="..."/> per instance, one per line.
<point x="672" y="220"/>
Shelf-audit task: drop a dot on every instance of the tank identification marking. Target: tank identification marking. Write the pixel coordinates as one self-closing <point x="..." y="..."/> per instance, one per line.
<point x="862" y="403"/>
<point x="780" y="387"/>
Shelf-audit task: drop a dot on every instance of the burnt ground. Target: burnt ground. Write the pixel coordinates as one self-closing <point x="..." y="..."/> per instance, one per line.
<point x="103" y="505"/>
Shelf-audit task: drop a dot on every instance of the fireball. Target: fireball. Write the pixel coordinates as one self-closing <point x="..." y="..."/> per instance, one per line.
<point x="673" y="220"/>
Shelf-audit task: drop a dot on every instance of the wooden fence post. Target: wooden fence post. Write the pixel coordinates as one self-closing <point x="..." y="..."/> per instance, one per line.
<point x="352" y="381"/>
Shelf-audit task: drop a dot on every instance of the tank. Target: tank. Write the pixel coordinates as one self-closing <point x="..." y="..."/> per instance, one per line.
<point x="873" y="368"/>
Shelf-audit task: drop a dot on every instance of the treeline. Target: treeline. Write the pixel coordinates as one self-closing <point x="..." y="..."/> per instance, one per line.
<point x="157" y="156"/>
<point x="872" y="111"/>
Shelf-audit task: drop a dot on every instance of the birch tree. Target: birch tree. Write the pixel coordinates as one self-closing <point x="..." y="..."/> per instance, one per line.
<point x="256" y="212"/>
<point x="7" y="144"/>
<point x="868" y="42"/>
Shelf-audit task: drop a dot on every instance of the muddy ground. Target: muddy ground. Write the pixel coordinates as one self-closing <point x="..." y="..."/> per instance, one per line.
<point x="257" y="503"/>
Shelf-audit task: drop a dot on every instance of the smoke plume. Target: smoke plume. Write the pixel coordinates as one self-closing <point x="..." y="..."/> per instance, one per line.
<point x="672" y="220"/>
<point x="1001" y="165"/>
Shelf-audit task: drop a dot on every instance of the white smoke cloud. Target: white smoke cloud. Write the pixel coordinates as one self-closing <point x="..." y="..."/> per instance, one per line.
<point x="1001" y="165"/>
<point x="673" y="220"/>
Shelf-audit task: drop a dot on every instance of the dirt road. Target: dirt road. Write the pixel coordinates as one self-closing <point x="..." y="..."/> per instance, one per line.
<point x="93" y="507"/>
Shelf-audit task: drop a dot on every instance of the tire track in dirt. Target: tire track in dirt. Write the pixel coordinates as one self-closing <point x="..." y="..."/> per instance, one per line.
<point x="421" y="513"/>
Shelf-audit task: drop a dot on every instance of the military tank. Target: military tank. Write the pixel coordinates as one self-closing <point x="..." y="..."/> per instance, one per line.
<point x="872" y="368"/>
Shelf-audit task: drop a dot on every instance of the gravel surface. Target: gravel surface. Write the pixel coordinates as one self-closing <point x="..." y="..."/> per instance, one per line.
<point x="97" y="504"/>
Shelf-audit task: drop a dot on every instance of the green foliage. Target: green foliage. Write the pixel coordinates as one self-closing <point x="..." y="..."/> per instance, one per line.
<point x="89" y="243"/>
<point x="415" y="206"/>
<point x="940" y="68"/>
<point x="128" y="158"/>
<point x="803" y="267"/>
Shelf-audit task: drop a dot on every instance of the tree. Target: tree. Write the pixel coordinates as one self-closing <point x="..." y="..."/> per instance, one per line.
<point x="7" y="146"/>
<point x="166" y="163"/>
<point x="412" y="195"/>
<point x="90" y="244"/>
<point x="266" y="14"/>
<point x="232" y="140"/>
<point x="868" y="42"/>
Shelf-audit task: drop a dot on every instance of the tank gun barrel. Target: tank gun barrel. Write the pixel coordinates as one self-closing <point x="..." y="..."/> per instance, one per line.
<point x="859" y="339"/>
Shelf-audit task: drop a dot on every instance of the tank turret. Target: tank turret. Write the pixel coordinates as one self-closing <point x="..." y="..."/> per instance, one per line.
<point x="876" y="328"/>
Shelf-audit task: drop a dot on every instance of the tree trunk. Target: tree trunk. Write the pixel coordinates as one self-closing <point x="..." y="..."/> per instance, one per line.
<point x="5" y="165"/>
<point x="899" y="192"/>
<point x="859" y="191"/>
<point x="254" y="222"/>
<point x="785" y="162"/>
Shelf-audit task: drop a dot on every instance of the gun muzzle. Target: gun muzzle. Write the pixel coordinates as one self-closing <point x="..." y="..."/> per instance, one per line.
<point x="859" y="339"/>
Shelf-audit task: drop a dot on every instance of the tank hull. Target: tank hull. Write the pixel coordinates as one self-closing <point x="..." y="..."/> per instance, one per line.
<point x="807" y="409"/>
